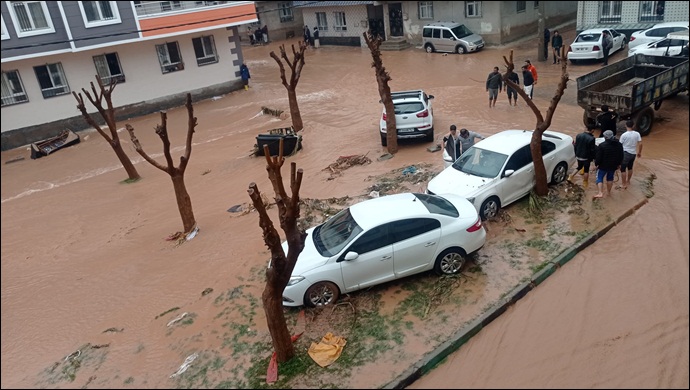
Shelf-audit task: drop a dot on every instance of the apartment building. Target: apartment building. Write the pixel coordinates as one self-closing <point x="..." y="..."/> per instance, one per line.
<point x="156" y="51"/>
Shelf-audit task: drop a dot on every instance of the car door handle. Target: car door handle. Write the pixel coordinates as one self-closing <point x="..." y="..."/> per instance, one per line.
<point x="384" y="258"/>
<point x="430" y="243"/>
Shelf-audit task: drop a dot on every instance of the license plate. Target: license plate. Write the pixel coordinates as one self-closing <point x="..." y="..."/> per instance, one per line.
<point x="581" y="49"/>
<point x="405" y="130"/>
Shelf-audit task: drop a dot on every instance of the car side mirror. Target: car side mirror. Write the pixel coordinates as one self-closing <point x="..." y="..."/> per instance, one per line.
<point x="431" y="96"/>
<point x="351" y="256"/>
<point x="508" y="172"/>
<point x="380" y="101"/>
<point x="452" y="38"/>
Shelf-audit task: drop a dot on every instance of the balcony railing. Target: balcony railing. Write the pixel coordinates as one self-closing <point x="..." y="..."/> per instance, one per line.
<point x="146" y="8"/>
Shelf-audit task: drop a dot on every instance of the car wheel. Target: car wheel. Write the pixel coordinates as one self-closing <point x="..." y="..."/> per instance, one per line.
<point x="489" y="208"/>
<point x="643" y="120"/>
<point x="460" y="49"/>
<point x="430" y="136"/>
<point x="450" y="261"/>
<point x="559" y="173"/>
<point x="384" y="140"/>
<point x="321" y="294"/>
<point x="429" y="48"/>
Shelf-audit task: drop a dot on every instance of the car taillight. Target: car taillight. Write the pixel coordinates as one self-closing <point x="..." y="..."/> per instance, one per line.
<point x="477" y="225"/>
<point x="596" y="48"/>
<point x="632" y="39"/>
<point x="423" y="114"/>
<point x="570" y="48"/>
<point x="384" y="116"/>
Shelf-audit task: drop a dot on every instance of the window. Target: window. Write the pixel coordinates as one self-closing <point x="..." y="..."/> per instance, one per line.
<point x="285" y="12"/>
<point x="321" y="21"/>
<point x="12" y="89"/>
<point x="373" y="239"/>
<point x="99" y="13"/>
<point x="31" y="18"/>
<point x="169" y="57"/>
<point x="547" y="147"/>
<point x="473" y="9"/>
<point x="426" y="9"/>
<point x="205" y="50"/>
<point x="520" y="158"/>
<point x="52" y="80"/>
<point x="521" y="6"/>
<point x="5" y="34"/>
<point x="108" y="68"/>
<point x="536" y="4"/>
<point x="447" y="34"/>
<point x="610" y="11"/>
<point x="408" y="228"/>
<point x="340" y="24"/>
<point x="652" y="11"/>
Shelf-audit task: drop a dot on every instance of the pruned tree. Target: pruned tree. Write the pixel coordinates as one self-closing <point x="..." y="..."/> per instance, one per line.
<point x="108" y="115"/>
<point x="280" y="268"/>
<point x="382" y="79"/>
<point x="295" y="66"/>
<point x="543" y="123"/>
<point x="184" y="202"/>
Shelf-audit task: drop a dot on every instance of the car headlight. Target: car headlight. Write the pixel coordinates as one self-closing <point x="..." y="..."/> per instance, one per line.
<point x="295" y="279"/>
<point x="471" y="200"/>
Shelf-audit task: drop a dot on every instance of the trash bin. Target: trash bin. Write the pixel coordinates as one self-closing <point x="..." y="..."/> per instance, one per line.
<point x="291" y="143"/>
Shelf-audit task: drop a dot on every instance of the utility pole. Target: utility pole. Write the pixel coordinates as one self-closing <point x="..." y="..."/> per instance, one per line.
<point x="541" y="24"/>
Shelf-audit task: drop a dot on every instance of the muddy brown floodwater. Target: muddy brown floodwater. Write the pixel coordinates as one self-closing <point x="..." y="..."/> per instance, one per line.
<point x="84" y="259"/>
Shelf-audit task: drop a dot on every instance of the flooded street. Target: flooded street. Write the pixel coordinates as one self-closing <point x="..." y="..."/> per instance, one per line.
<point x="84" y="256"/>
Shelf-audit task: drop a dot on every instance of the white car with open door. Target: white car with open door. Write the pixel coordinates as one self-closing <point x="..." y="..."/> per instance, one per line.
<point x="588" y="45"/>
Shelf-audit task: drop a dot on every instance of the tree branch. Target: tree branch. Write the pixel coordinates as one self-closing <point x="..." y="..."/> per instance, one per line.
<point x="191" y="124"/>
<point x="509" y="69"/>
<point x="270" y="234"/>
<point x="88" y="118"/>
<point x="282" y="69"/>
<point x="162" y="131"/>
<point x="140" y="150"/>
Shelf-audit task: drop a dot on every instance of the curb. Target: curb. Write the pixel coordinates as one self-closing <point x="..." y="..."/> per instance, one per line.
<point x="459" y="338"/>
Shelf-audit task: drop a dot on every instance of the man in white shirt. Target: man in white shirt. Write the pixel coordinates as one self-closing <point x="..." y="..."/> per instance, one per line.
<point x="632" y="147"/>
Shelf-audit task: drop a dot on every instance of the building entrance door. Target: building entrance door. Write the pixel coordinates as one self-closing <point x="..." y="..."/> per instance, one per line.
<point x="396" y="19"/>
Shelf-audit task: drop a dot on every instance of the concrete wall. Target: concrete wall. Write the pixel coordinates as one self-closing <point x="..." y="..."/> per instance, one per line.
<point x="356" y="19"/>
<point x="269" y="15"/>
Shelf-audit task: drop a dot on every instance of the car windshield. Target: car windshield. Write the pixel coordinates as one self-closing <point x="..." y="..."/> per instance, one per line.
<point x="408" y="107"/>
<point x="461" y="31"/>
<point x="438" y="205"/>
<point x="480" y="162"/>
<point x="332" y="236"/>
<point x="585" y="38"/>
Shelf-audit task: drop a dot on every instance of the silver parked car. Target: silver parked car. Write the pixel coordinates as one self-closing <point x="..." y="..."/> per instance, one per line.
<point x="450" y="37"/>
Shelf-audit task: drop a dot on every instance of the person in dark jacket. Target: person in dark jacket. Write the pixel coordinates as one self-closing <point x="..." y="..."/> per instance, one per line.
<point x="527" y="80"/>
<point x="609" y="156"/>
<point x="494" y="85"/>
<point x="452" y="144"/>
<point x="585" y="151"/>
<point x="607" y="43"/>
<point x="608" y="120"/>
<point x="556" y="43"/>
<point x="307" y="35"/>
<point x="511" y="92"/>
<point x="244" y="73"/>
<point x="547" y="39"/>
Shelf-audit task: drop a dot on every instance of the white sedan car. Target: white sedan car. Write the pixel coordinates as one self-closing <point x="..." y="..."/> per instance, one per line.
<point x="653" y="34"/>
<point x="498" y="170"/>
<point x="588" y="44"/>
<point x="673" y="45"/>
<point x="383" y="239"/>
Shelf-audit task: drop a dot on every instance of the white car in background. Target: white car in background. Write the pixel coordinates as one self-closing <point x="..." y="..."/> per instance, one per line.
<point x="498" y="170"/>
<point x="414" y="116"/>
<point x="383" y="239"/>
<point x="671" y="46"/>
<point x="588" y="44"/>
<point x="653" y="34"/>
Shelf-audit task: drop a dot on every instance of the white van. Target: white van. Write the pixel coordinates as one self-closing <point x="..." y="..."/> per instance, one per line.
<point x="450" y="37"/>
<point x="675" y="44"/>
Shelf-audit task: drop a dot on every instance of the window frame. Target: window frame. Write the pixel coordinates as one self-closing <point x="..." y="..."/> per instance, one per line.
<point x="17" y="27"/>
<point x="651" y="14"/>
<point x="520" y="6"/>
<point x="5" y="32"/>
<point x="612" y="16"/>
<point x="339" y="27"/>
<point x="428" y="6"/>
<point x="61" y="70"/>
<point x="13" y="95"/>
<point x="476" y="7"/>
<point x="325" y="20"/>
<point x="214" y="58"/>
<point x="101" y="22"/>
<point x="171" y="67"/>
<point x="119" y="78"/>
<point x="285" y="12"/>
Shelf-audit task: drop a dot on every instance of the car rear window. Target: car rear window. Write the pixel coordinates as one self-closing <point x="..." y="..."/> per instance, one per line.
<point x="408" y="107"/>
<point x="588" y="38"/>
<point x="438" y="205"/>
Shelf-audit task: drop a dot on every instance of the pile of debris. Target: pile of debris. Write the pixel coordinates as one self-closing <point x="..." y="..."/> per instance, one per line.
<point x="345" y="162"/>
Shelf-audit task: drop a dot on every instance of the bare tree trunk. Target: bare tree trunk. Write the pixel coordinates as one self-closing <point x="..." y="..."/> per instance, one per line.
<point x="541" y="185"/>
<point x="295" y="66"/>
<point x="382" y="79"/>
<point x="281" y="266"/>
<point x="108" y="115"/>
<point x="184" y="202"/>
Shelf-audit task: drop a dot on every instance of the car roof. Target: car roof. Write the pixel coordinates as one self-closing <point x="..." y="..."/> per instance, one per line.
<point x="679" y="35"/>
<point x="443" y="24"/>
<point x="372" y="212"/>
<point x="669" y="24"/>
<point x="415" y="94"/>
<point x="508" y="141"/>
<point x="595" y="31"/>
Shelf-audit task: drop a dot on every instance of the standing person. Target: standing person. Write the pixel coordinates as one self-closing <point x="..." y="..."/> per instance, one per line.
<point x="258" y="36"/>
<point x="556" y="43"/>
<point x="251" y="36"/>
<point x="494" y="85"/>
<point x="264" y="34"/>
<point x="585" y="151"/>
<point x="607" y="43"/>
<point x="467" y="139"/>
<point x="244" y="73"/>
<point x="609" y="156"/>
<point x="452" y="144"/>
<point x="547" y="38"/>
<point x="512" y="94"/>
<point x="632" y="147"/>
<point x="608" y="120"/>
<point x="532" y="69"/>
<point x="528" y="80"/>
<point x="317" y="43"/>
<point x="307" y="35"/>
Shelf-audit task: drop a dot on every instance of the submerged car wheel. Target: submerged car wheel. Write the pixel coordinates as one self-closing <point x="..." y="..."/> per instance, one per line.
<point x="559" y="173"/>
<point x="321" y="294"/>
<point x="429" y="48"/>
<point x="450" y="261"/>
<point x="490" y="208"/>
<point x="460" y="49"/>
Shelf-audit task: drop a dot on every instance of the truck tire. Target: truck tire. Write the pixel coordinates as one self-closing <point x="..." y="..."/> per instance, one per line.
<point x="643" y="120"/>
